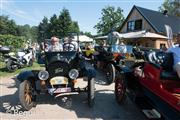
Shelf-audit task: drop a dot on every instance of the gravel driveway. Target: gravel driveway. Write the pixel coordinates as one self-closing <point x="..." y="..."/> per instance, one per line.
<point x="72" y="107"/>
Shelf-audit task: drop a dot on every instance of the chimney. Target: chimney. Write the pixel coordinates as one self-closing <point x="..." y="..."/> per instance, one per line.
<point x="165" y="12"/>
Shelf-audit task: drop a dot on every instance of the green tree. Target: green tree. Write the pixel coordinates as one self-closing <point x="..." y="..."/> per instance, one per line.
<point x="3" y="24"/>
<point x="86" y="33"/>
<point x="12" y="27"/>
<point x="111" y="20"/>
<point x="7" y="26"/>
<point x="24" y="30"/>
<point x="74" y="27"/>
<point x="28" y="32"/>
<point x="58" y="25"/>
<point x="172" y="6"/>
<point x="34" y="33"/>
<point x="53" y="25"/>
<point x="43" y="30"/>
<point x="64" y="22"/>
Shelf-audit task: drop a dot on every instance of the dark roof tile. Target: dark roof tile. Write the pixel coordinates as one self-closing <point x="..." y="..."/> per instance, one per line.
<point x="158" y="20"/>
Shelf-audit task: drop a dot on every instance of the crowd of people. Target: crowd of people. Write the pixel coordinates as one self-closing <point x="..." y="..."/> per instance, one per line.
<point x="68" y="44"/>
<point x="56" y="44"/>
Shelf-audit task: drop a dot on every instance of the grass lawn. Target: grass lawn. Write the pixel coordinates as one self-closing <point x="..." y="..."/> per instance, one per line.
<point x="4" y="72"/>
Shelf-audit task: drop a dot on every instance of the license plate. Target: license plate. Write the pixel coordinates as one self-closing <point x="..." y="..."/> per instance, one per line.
<point x="59" y="80"/>
<point x="62" y="90"/>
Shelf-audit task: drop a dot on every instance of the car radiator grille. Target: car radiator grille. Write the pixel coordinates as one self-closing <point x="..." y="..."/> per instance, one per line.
<point x="58" y="69"/>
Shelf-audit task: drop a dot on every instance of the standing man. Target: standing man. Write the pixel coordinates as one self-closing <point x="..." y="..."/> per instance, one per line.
<point x="175" y="49"/>
<point x="122" y="47"/>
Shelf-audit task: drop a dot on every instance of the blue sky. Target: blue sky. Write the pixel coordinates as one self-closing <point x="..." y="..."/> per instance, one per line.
<point x="86" y="12"/>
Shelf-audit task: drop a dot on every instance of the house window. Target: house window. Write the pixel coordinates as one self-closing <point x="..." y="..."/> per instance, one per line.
<point x="134" y="25"/>
<point x="138" y="24"/>
<point x="130" y="26"/>
<point x="162" y="46"/>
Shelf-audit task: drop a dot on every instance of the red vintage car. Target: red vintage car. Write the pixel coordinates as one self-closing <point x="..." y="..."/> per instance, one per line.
<point x="154" y="81"/>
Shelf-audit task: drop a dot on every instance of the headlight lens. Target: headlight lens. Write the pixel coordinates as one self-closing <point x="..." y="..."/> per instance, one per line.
<point x="43" y="75"/>
<point x="73" y="74"/>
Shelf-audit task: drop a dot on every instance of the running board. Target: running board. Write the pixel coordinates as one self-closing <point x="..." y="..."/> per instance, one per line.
<point x="62" y="94"/>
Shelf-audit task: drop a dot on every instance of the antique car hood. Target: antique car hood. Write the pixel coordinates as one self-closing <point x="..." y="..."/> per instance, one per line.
<point x="65" y="56"/>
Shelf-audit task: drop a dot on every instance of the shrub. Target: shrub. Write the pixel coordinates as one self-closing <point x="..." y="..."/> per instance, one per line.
<point x="13" y="41"/>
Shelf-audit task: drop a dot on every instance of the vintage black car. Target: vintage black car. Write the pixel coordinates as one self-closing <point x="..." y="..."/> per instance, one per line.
<point x="109" y="61"/>
<point x="62" y="70"/>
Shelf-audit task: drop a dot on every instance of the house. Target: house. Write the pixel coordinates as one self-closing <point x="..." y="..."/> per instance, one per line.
<point x="144" y="19"/>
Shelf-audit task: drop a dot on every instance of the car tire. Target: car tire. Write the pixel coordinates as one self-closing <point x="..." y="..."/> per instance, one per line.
<point x="30" y="63"/>
<point x="120" y="89"/>
<point x="91" y="92"/>
<point x="110" y="73"/>
<point x="26" y="97"/>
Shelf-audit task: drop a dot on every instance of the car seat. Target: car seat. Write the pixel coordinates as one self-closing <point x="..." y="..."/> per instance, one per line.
<point x="168" y="73"/>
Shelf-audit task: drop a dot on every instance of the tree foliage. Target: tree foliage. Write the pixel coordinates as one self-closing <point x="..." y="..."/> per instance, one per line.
<point x="13" y="41"/>
<point x="15" y="35"/>
<point x="86" y="33"/>
<point x="43" y="29"/>
<point x="58" y="25"/>
<point x="172" y="6"/>
<point x="54" y="25"/>
<point x="9" y="27"/>
<point x="111" y="20"/>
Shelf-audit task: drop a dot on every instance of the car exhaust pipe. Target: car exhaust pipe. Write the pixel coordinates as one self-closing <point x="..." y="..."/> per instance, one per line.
<point x="62" y="94"/>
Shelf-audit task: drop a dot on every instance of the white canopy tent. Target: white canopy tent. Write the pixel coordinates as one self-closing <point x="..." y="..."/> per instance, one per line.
<point x="142" y="34"/>
<point x="131" y="35"/>
<point x="83" y="38"/>
<point x="101" y="37"/>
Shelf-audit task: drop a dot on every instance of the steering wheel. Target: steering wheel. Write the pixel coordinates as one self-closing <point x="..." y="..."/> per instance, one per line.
<point x="156" y="57"/>
<point x="160" y="56"/>
<point x="69" y="47"/>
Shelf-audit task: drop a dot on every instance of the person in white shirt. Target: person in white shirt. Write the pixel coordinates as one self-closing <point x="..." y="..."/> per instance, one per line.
<point x="55" y="45"/>
<point x="175" y="49"/>
<point x="122" y="47"/>
<point x="116" y="43"/>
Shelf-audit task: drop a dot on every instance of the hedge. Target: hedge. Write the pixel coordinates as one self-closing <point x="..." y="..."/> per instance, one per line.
<point x="13" y="41"/>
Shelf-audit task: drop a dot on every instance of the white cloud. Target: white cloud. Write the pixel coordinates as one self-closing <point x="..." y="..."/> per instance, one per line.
<point x="21" y="12"/>
<point x="11" y="8"/>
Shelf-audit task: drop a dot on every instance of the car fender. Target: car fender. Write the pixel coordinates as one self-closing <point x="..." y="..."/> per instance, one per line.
<point x="90" y="73"/>
<point x="123" y="69"/>
<point x="25" y="75"/>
